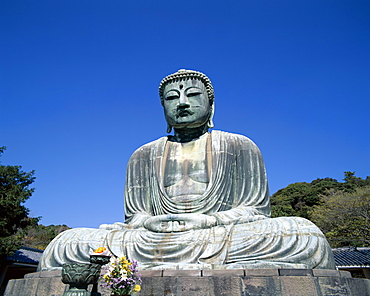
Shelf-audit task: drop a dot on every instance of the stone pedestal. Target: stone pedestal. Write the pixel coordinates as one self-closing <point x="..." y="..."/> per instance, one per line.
<point x="238" y="282"/>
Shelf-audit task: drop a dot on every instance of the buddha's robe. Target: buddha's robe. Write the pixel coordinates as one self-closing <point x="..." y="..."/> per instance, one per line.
<point x="237" y="195"/>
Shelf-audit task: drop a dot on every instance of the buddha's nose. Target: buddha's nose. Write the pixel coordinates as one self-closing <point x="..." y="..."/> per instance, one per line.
<point x="183" y="101"/>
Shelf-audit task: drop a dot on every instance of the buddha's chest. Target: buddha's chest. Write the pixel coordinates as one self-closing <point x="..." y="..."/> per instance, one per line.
<point x="186" y="162"/>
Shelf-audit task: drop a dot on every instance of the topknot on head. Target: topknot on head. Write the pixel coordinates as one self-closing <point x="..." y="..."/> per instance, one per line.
<point x="184" y="74"/>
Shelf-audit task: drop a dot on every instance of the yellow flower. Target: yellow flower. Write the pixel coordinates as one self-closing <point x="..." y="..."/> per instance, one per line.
<point x="100" y="250"/>
<point x="137" y="288"/>
<point x="106" y="276"/>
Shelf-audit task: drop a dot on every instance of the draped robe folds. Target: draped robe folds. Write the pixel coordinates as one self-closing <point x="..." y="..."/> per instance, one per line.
<point x="237" y="195"/>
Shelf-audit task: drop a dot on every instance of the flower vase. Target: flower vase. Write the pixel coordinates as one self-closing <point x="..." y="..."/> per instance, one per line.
<point x="99" y="259"/>
<point x="79" y="276"/>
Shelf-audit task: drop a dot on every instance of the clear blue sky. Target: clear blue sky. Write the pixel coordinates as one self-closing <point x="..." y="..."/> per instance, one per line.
<point x="79" y="80"/>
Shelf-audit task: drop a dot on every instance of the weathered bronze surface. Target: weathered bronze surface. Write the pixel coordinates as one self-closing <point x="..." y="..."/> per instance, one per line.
<point x="79" y="276"/>
<point x="197" y="200"/>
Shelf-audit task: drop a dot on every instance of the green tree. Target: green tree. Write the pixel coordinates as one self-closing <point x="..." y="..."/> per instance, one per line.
<point x="40" y="236"/>
<point x="291" y="200"/>
<point x="297" y="199"/>
<point x="340" y="209"/>
<point x="14" y="219"/>
<point x="344" y="217"/>
<point x="352" y="182"/>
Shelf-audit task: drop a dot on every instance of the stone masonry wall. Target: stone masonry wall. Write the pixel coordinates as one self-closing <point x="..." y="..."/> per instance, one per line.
<point x="238" y="282"/>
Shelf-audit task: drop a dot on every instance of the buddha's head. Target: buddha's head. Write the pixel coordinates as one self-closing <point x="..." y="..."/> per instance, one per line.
<point x="188" y="100"/>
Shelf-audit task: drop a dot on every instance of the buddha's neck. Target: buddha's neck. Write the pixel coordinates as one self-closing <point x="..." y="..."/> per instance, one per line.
<point x="189" y="134"/>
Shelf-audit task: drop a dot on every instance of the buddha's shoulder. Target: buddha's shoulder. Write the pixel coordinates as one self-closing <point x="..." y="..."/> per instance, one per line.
<point x="148" y="147"/>
<point x="237" y="139"/>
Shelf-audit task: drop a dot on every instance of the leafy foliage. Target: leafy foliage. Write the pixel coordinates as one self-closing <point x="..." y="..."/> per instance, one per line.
<point x="338" y="208"/>
<point x="352" y="182"/>
<point x="345" y="217"/>
<point x="14" y="219"/>
<point x="297" y="199"/>
<point x="40" y="236"/>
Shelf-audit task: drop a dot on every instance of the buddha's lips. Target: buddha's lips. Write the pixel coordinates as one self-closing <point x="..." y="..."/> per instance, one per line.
<point x="183" y="113"/>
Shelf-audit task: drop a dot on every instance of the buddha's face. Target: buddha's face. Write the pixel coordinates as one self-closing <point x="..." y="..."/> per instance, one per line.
<point x="186" y="104"/>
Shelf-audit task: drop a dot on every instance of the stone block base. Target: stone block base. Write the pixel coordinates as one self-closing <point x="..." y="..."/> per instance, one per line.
<point x="238" y="282"/>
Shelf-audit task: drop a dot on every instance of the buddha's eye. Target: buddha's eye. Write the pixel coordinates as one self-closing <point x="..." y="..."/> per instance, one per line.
<point x="193" y="93"/>
<point x="171" y="95"/>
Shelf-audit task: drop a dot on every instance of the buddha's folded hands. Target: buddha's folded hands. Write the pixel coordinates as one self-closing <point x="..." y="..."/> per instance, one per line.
<point x="179" y="222"/>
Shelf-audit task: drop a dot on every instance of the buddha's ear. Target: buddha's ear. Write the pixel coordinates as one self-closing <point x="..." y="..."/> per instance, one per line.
<point x="169" y="128"/>
<point x="210" y="120"/>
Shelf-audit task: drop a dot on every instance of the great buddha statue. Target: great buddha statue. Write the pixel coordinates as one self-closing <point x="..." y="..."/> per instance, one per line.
<point x="197" y="200"/>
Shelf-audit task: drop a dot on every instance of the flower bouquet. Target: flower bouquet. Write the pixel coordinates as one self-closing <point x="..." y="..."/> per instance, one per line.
<point x="121" y="276"/>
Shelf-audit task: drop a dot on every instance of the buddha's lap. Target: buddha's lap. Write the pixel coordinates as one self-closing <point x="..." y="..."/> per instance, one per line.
<point x="239" y="236"/>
